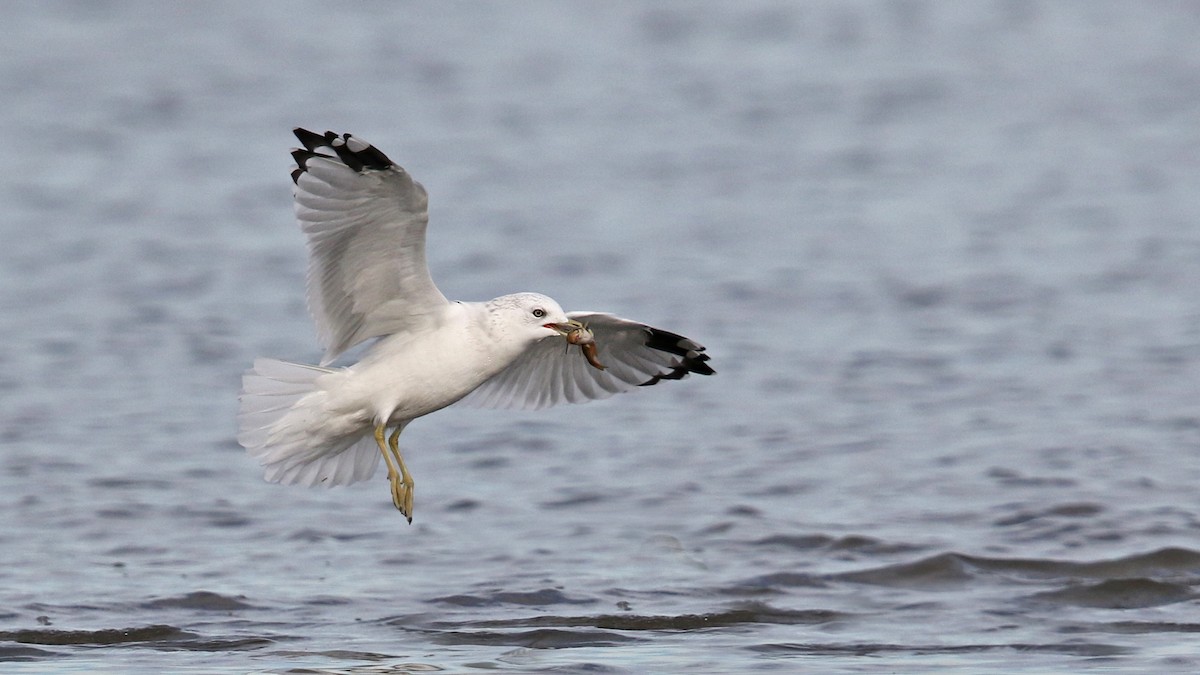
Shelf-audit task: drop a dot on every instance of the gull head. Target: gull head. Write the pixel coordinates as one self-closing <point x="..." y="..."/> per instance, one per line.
<point x="530" y="315"/>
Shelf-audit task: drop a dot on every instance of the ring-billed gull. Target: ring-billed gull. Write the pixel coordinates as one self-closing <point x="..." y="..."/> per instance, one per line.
<point x="364" y="218"/>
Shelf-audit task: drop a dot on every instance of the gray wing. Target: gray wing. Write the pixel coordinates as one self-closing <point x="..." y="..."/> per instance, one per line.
<point x="553" y="372"/>
<point x="365" y="220"/>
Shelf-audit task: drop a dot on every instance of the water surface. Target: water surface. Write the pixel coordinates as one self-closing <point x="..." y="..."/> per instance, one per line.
<point x="944" y="255"/>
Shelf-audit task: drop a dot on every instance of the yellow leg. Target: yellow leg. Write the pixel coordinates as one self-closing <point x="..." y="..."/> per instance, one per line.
<point x="401" y="481"/>
<point x="406" y="480"/>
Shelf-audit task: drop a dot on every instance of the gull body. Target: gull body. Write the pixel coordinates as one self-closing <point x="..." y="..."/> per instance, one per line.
<point x="409" y="375"/>
<point x="365" y="221"/>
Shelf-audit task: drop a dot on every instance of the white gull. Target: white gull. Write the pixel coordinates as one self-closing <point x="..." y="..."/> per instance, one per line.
<point x="365" y="219"/>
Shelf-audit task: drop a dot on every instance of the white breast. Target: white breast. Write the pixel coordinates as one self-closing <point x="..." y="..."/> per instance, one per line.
<point x="408" y="375"/>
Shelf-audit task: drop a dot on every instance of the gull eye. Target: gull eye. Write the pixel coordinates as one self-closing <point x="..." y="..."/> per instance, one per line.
<point x="539" y="312"/>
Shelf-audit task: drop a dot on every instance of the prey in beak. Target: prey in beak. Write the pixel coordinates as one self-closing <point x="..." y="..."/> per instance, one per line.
<point x="578" y="334"/>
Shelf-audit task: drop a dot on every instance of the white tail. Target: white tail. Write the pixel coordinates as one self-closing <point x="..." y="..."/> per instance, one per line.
<point x="281" y="425"/>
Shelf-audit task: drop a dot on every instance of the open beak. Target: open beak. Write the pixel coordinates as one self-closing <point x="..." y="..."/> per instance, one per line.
<point x="578" y="334"/>
<point x="564" y="328"/>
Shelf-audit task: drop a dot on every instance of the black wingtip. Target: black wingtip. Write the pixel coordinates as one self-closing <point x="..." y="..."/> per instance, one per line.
<point x="351" y="150"/>
<point x="301" y="158"/>
<point x="310" y="140"/>
<point x="693" y="359"/>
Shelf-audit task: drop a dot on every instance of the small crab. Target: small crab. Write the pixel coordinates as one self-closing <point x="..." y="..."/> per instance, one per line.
<point x="582" y="336"/>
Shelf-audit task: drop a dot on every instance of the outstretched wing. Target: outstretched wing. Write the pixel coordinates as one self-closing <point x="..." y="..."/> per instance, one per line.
<point x="552" y="371"/>
<point x="365" y="221"/>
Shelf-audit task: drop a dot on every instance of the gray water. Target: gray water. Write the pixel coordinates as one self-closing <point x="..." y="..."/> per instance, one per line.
<point x="945" y="257"/>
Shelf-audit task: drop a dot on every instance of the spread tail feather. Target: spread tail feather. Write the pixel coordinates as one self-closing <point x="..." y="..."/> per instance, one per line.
<point x="281" y="425"/>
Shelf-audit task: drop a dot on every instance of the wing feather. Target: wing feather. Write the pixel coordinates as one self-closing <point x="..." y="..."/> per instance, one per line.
<point x="634" y="355"/>
<point x="365" y="220"/>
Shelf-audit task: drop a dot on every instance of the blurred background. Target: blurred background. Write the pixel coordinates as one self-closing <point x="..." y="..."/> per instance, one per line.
<point x="944" y="256"/>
